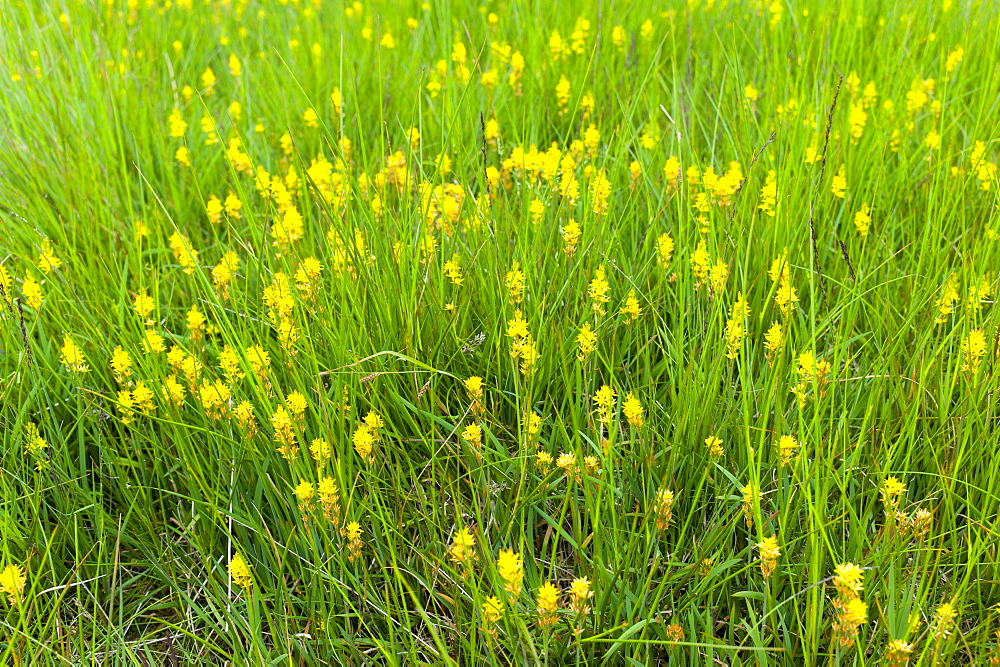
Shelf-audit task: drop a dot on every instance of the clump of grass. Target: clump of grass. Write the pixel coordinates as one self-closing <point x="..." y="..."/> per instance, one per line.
<point x="415" y="332"/>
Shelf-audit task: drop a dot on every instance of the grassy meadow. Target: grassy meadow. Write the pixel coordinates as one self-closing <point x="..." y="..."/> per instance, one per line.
<point x="518" y="333"/>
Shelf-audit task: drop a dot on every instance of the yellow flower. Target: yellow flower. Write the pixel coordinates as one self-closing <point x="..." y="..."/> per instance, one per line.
<point x="515" y="283"/>
<point x="618" y="36"/>
<point x="855" y="613"/>
<point x="214" y="398"/>
<point x="631" y="308"/>
<point x="769" y="194"/>
<point x="562" y="94"/>
<point x="945" y="305"/>
<point x="663" y="506"/>
<point x="750" y="496"/>
<point x="898" y="652"/>
<point x="944" y="620"/>
<point x="47" y="259"/>
<point x="547" y="604"/>
<point x="144" y="304"/>
<point x="786" y="449"/>
<point x="239" y="570"/>
<point x="598" y="291"/>
<point x="32" y="292"/>
<point x="462" y="549"/>
<point x="632" y="409"/>
<point x="474" y="385"/>
<point x="329" y="497"/>
<point x="566" y="461"/>
<point x="185" y="254"/>
<point x="121" y="362"/>
<point x="517" y="327"/>
<point x="177" y="125"/>
<point x="245" y="419"/>
<point x="319" y="449"/>
<point x="233" y="206"/>
<point x="72" y="357"/>
<point x="714" y="445"/>
<point x="511" y="570"/>
<point x="863" y="219"/>
<point x="492" y="610"/>
<point x="954" y="58"/>
<point x="700" y="261"/>
<point x="891" y="489"/>
<point x="586" y="341"/>
<point x="736" y="327"/>
<point x="473" y="434"/>
<point x="847" y="579"/>
<point x="769" y="551"/>
<point x="453" y="270"/>
<point x="974" y="348"/>
<point x="605" y="400"/>
<point x="838" y="185"/>
<point x="374" y="421"/>
<point x="296" y="403"/>
<point x="579" y="594"/>
<point x="305" y="493"/>
<point x="571" y="236"/>
<point x="363" y="443"/>
<point x="353" y="532"/>
<point x="208" y="80"/>
<point x="12" y="581"/>
<point x="537" y="210"/>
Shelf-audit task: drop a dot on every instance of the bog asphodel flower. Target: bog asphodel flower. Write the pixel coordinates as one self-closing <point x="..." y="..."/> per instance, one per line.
<point x="898" y="652"/>
<point x="973" y="349"/>
<point x="769" y="551"/>
<point x="631" y="308"/>
<point x="12" y="581"/>
<point x="605" y="401"/>
<point x="543" y="460"/>
<point x="329" y="498"/>
<point x="239" y="570"/>
<point x="473" y="435"/>
<point x="787" y="446"/>
<point x="547" y="604"/>
<point x="598" y="290"/>
<point x="463" y="548"/>
<point x="632" y="409"/>
<point x="664" y="250"/>
<point x="353" y="534"/>
<point x="714" y="445"/>
<point x="571" y="236"/>
<point x="474" y="385"/>
<point x="71" y="356"/>
<point x="121" y="364"/>
<point x="514" y="281"/>
<point x="944" y="620"/>
<point x="850" y="611"/>
<point x="736" y="327"/>
<point x="663" y="508"/>
<point x="586" y="342"/>
<point x="579" y="596"/>
<point x="510" y="567"/>
<point x="364" y="441"/>
<point x="492" y="613"/>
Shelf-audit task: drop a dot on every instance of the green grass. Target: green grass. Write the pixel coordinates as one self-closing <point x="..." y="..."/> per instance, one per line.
<point x="125" y="522"/>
